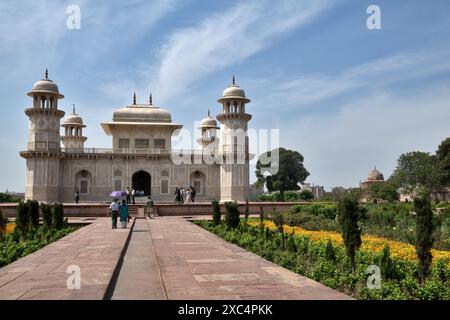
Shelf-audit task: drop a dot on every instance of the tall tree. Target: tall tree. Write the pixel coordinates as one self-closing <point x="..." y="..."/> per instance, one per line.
<point x="443" y="162"/>
<point x="416" y="169"/>
<point x="424" y="233"/>
<point x="282" y="174"/>
<point x="348" y="212"/>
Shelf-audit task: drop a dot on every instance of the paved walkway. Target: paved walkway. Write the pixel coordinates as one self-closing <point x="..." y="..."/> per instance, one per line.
<point x="166" y="258"/>
<point x="196" y="264"/>
<point x="96" y="249"/>
<point x="139" y="276"/>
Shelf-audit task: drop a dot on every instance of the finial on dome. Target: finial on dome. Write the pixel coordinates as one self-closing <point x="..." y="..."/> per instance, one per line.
<point x="134" y="98"/>
<point x="234" y="81"/>
<point x="209" y="114"/>
<point x="46" y="74"/>
<point x="73" y="109"/>
<point x="150" y="99"/>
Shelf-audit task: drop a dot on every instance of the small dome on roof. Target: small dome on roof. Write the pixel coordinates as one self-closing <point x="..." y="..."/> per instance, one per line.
<point x="45" y="86"/>
<point x="375" y="175"/>
<point x="234" y="91"/>
<point x="209" y="122"/>
<point x="73" y="119"/>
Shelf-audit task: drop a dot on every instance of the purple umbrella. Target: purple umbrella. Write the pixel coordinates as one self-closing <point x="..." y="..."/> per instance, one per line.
<point x="118" y="194"/>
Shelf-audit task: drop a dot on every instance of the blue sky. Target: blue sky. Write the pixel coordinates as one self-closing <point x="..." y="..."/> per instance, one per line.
<point x="346" y="97"/>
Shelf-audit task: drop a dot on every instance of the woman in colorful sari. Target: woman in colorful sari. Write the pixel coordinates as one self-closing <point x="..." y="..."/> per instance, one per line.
<point x="123" y="212"/>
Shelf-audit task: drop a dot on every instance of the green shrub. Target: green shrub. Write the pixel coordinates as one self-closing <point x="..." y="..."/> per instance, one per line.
<point x="22" y="217"/>
<point x="330" y="254"/>
<point x="386" y="264"/>
<point x="46" y="210"/>
<point x="58" y="216"/>
<point x="232" y="215"/>
<point x="33" y="207"/>
<point x="247" y="210"/>
<point x="216" y="214"/>
<point x="3" y="223"/>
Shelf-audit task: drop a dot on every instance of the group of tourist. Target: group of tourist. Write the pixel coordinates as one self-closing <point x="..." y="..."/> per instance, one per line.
<point x="132" y="194"/>
<point x="184" y="196"/>
<point x="119" y="210"/>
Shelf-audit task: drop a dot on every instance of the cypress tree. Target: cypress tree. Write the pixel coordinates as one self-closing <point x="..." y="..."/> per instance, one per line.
<point x="22" y="217"/>
<point x="348" y="211"/>
<point x="33" y="207"/>
<point x="424" y="231"/>
<point x="216" y="214"/>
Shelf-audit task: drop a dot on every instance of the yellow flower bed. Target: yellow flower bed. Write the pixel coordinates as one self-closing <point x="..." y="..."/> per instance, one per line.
<point x="10" y="227"/>
<point x="369" y="243"/>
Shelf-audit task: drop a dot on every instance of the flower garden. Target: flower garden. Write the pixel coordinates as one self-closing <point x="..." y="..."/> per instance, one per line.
<point x="27" y="233"/>
<point x="321" y="254"/>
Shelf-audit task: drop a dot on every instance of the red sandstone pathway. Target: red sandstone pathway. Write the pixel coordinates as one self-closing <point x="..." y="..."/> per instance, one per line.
<point x="96" y="249"/>
<point x="196" y="264"/>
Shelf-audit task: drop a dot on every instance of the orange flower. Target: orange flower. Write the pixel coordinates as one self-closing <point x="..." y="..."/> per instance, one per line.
<point x="375" y="244"/>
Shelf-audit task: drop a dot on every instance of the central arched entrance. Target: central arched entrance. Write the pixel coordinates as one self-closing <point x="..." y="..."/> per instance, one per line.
<point x="142" y="180"/>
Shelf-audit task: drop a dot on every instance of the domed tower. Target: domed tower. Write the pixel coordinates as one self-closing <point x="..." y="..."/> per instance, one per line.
<point x="43" y="129"/>
<point x="73" y="139"/>
<point x="44" y="142"/>
<point x="233" y="144"/>
<point x="208" y="128"/>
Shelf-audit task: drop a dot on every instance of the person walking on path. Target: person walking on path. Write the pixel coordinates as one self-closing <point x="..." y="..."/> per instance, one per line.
<point x="77" y="197"/>
<point x="188" y="196"/>
<point x="123" y="211"/>
<point x="176" y="196"/>
<point x="183" y="195"/>
<point x="128" y="195"/>
<point x="114" y="208"/>
<point x="149" y="207"/>
<point x="133" y="195"/>
<point x="193" y="193"/>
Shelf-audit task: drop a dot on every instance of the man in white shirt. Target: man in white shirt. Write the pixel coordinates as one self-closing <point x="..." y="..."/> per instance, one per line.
<point x="114" y="208"/>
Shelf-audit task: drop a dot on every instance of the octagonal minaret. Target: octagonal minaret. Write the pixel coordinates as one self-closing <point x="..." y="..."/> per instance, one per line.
<point x="44" y="142"/>
<point x="233" y="144"/>
<point x="73" y="139"/>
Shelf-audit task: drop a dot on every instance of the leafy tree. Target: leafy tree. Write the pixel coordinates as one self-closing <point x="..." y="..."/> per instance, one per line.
<point x="216" y="214"/>
<point x="386" y="191"/>
<point x="232" y="214"/>
<point x="348" y="212"/>
<point x="306" y="195"/>
<point x="416" y="169"/>
<point x="284" y="173"/>
<point x="424" y="233"/>
<point x="443" y="159"/>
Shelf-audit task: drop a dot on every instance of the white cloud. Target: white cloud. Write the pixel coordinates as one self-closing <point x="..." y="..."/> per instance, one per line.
<point x="226" y="38"/>
<point x="314" y="88"/>
<point x="341" y="148"/>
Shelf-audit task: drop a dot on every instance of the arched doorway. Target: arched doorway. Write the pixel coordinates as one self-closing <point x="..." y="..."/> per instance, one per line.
<point x="142" y="180"/>
<point x="83" y="181"/>
<point x="198" y="181"/>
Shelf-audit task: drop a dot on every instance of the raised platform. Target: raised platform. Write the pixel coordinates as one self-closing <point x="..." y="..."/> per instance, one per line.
<point x="163" y="209"/>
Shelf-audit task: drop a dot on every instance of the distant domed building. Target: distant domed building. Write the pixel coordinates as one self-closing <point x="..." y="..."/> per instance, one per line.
<point x="141" y="157"/>
<point x="375" y="176"/>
